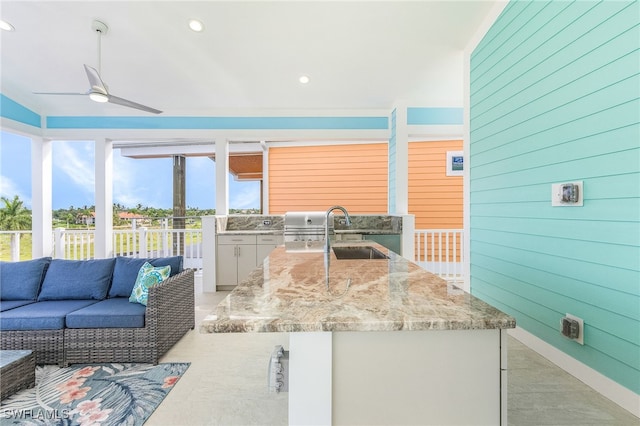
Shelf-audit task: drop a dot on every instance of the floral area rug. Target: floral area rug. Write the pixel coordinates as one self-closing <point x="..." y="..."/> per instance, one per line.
<point x="96" y="394"/>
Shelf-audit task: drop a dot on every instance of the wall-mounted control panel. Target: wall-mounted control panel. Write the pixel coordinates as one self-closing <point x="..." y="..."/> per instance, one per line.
<point x="572" y="327"/>
<point x="567" y="194"/>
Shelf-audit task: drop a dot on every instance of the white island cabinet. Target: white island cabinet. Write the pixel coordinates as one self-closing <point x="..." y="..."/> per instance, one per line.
<point x="398" y="378"/>
<point x="377" y="341"/>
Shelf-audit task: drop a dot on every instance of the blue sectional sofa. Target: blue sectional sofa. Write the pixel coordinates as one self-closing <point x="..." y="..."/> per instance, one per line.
<point x="70" y="311"/>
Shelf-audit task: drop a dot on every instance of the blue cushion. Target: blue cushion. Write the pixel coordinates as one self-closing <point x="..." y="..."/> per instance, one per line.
<point x="126" y="271"/>
<point x="10" y="304"/>
<point x="22" y="280"/>
<point x="77" y="279"/>
<point x="49" y="315"/>
<point x="110" y="313"/>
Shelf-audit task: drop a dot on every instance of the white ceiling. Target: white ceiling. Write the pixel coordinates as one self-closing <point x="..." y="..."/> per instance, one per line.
<point x="359" y="55"/>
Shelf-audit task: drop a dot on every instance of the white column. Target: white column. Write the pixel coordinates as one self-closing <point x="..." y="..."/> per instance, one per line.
<point x="222" y="176"/>
<point x="408" y="236"/>
<point x="60" y="243"/>
<point x="104" y="199"/>
<point x="209" y="254"/>
<point x="41" y="204"/>
<point x="402" y="160"/>
<point x="310" y="378"/>
<point x="466" y="179"/>
<point x="265" y="178"/>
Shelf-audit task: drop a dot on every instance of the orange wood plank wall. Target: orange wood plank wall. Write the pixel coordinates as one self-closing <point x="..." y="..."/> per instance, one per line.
<point x="434" y="198"/>
<point x="318" y="177"/>
<point x="355" y="176"/>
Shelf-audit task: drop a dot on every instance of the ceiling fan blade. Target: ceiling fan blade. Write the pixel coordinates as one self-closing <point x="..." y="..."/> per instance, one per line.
<point x="94" y="79"/>
<point x="131" y="104"/>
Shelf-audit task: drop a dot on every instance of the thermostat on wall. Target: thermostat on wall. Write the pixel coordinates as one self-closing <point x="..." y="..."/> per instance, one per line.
<point x="567" y="194"/>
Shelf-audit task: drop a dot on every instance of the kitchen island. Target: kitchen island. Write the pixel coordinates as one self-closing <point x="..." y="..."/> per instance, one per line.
<point x="375" y="341"/>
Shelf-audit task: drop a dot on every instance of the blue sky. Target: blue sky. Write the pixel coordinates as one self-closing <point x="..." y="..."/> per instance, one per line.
<point x="135" y="181"/>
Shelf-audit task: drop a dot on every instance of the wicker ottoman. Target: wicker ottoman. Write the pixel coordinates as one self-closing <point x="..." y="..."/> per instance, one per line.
<point x="17" y="371"/>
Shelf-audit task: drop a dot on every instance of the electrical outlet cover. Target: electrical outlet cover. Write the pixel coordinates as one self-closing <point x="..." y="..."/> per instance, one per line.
<point x="580" y="321"/>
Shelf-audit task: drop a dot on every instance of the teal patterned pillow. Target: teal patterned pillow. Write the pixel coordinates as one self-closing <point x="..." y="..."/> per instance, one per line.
<point x="148" y="276"/>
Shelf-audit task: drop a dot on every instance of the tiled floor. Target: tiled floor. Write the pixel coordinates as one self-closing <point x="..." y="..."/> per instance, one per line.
<point x="540" y="393"/>
<point x="226" y="384"/>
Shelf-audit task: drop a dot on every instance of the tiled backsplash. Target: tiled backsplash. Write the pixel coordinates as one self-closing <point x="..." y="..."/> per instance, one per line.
<point x="254" y="223"/>
<point x="276" y="222"/>
<point x="393" y="224"/>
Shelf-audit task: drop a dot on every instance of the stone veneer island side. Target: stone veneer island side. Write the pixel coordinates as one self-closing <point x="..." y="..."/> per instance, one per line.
<point x="374" y="341"/>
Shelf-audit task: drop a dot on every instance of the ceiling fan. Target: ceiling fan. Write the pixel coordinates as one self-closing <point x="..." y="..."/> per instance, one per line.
<point x="98" y="91"/>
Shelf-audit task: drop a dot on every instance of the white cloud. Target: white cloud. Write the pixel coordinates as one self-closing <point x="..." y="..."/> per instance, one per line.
<point x="9" y="189"/>
<point x="126" y="189"/>
<point x="76" y="160"/>
<point x="245" y="197"/>
<point x="200" y="164"/>
<point x="146" y="182"/>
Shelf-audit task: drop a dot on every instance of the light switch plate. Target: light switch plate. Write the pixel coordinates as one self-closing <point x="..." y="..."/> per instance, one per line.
<point x="560" y="189"/>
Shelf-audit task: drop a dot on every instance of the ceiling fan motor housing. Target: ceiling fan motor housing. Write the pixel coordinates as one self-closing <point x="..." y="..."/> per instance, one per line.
<point x="99" y="26"/>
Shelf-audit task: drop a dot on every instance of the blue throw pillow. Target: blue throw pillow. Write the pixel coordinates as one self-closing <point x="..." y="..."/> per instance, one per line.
<point x="77" y="279"/>
<point x="148" y="276"/>
<point x="22" y="280"/>
<point x="126" y="271"/>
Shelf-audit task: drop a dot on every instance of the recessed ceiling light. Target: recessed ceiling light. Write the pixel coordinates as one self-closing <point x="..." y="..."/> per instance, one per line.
<point x="4" y="25"/>
<point x="304" y="79"/>
<point x="196" y="25"/>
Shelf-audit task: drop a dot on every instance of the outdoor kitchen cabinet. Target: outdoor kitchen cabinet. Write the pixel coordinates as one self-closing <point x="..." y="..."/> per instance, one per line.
<point x="238" y="255"/>
<point x="265" y="245"/>
<point x="236" y="258"/>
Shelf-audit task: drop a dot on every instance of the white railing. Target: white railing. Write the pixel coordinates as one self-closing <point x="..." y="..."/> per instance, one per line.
<point x="73" y="244"/>
<point x="10" y="240"/>
<point x="77" y="244"/>
<point x="160" y="243"/>
<point x="437" y="250"/>
<point x="441" y="251"/>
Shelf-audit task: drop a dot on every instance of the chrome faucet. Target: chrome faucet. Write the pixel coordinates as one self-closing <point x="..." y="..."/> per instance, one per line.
<point x="347" y="219"/>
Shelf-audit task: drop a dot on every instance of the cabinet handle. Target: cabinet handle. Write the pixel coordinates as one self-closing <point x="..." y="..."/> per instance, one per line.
<point x="238" y="251"/>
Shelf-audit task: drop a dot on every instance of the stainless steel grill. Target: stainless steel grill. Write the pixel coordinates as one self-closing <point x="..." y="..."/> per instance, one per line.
<point x="304" y="231"/>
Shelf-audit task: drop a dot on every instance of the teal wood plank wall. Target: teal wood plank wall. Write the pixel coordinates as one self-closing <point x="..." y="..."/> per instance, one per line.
<point x="555" y="97"/>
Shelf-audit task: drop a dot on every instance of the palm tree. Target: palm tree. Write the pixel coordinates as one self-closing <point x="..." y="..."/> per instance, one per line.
<point x="13" y="215"/>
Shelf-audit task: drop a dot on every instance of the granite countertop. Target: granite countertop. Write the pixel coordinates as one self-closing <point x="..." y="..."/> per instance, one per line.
<point x="252" y="232"/>
<point x="368" y="231"/>
<point x="289" y="293"/>
<point x="281" y="232"/>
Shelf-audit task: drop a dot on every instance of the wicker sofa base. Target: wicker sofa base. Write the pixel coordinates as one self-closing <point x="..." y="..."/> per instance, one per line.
<point x="97" y="345"/>
<point x="18" y="374"/>
<point x="47" y="345"/>
<point x="170" y="313"/>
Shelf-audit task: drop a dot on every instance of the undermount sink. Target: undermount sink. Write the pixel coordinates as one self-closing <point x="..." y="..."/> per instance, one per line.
<point x="358" y="252"/>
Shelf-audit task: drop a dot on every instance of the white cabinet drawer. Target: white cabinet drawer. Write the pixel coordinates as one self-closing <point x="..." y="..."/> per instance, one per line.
<point x="270" y="239"/>
<point x="236" y="239"/>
